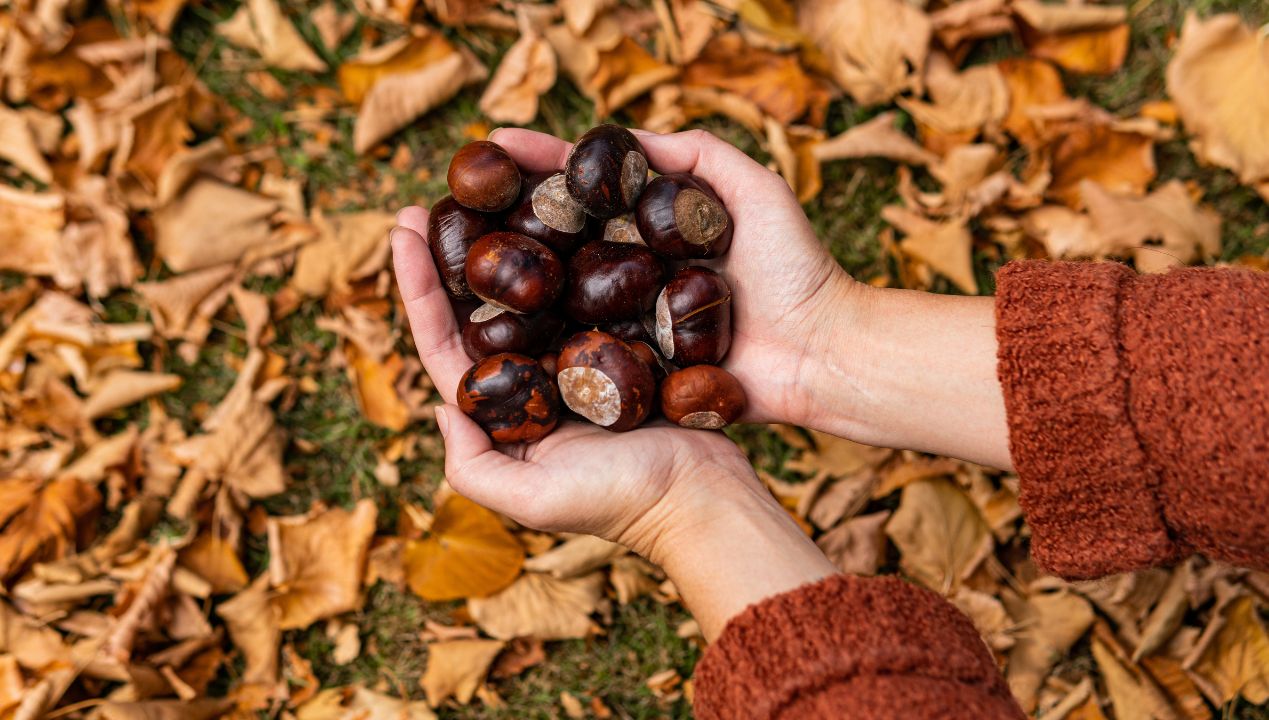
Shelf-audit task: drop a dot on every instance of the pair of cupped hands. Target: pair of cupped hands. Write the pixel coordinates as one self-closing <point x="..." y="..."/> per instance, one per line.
<point x="634" y="487"/>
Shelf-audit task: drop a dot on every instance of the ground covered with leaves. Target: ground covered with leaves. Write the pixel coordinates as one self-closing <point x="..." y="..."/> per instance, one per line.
<point x="220" y="485"/>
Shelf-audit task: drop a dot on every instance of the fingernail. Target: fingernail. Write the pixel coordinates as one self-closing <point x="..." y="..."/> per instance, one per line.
<point x="442" y="422"/>
<point x="396" y="234"/>
<point x="493" y="132"/>
<point x="640" y="131"/>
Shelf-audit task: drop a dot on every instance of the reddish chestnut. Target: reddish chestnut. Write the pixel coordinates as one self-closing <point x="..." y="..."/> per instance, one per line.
<point x="451" y="231"/>
<point x="703" y="397"/>
<point x="649" y="357"/>
<point x="548" y="214"/>
<point x="611" y="281"/>
<point x="493" y="330"/>
<point x="482" y="176"/>
<point x="628" y="330"/>
<point x="606" y="171"/>
<point x="693" y="317"/>
<point x="604" y="381"/>
<point x="514" y="272"/>
<point x="680" y="217"/>
<point x="510" y="397"/>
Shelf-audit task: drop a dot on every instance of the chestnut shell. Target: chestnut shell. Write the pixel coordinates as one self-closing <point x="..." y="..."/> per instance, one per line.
<point x="510" y="397"/>
<point x="703" y="397"/>
<point x="608" y="282"/>
<point x="514" y="272"/>
<point x="680" y="217"/>
<point x="484" y="177"/>
<point x="451" y="231"/>
<point x="548" y="214"/>
<point x="604" y="381"/>
<point x="509" y="332"/>
<point x="693" y="317"/>
<point x="606" y="171"/>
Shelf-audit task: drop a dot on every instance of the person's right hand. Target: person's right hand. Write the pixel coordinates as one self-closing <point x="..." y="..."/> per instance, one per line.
<point x="786" y="288"/>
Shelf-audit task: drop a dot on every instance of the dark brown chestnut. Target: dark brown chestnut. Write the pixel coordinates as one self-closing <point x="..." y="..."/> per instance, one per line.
<point x="510" y="397"/>
<point x="623" y="229"/>
<point x="693" y="317"/>
<point x="604" y="381"/>
<point x="606" y="171"/>
<point x="482" y="176"/>
<point x="451" y="231"/>
<point x="493" y="330"/>
<point x="628" y="330"/>
<point x="703" y="397"/>
<point x="514" y="272"/>
<point x="680" y="217"/>
<point x="548" y="214"/>
<point x="649" y="357"/>
<point x="611" y="281"/>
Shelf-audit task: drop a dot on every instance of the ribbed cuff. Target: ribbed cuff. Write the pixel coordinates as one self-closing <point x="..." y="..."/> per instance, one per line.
<point x="1087" y="490"/>
<point x="795" y="645"/>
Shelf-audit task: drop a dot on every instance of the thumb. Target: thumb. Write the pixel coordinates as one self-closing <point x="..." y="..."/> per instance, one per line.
<point x="464" y="440"/>
<point x="474" y="468"/>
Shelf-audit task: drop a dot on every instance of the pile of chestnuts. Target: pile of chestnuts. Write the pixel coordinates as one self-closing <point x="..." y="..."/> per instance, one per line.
<point x="574" y="286"/>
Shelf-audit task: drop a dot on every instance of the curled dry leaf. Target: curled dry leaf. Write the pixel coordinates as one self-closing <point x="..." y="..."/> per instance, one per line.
<point x="1162" y="230"/>
<point x="349" y="247"/>
<point x="967" y="20"/>
<point x="33" y="222"/>
<point x="1219" y="80"/>
<point x="540" y="606"/>
<point x="210" y="224"/>
<point x="122" y="388"/>
<point x="18" y="146"/>
<point x="1032" y="84"/>
<point x="876" y="49"/>
<point x="939" y="533"/>
<point x="576" y="556"/>
<point x="253" y="626"/>
<point x="606" y="65"/>
<point x="1048" y="17"/>
<point x="962" y="105"/>
<point x="46" y="525"/>
<point x="989" y="616"/>
<point x="945" y="246"/>
<point x="633" y="577"/>
<point x="877" y="137"/>
<point x="1124" y="685"/>
<point x="775" y="82"/>
<point x="857" y="546"/>
<point x="1236" y="661"/>
<point x="358" y="703"/>
<point x="183" y="306"/>
<point x="468" y="553"/>
<point x="833" y="455"/>
<point x="526" y="71"/>
<point x="316" y="563"/>
<point x="1093" y="149"/>
<point x="793" y="149"/>
<point x="455" y="668"/>
<point x="1049" y="623"/>
<point x="1082" y="38"/>
<point x="259" y="25"/>
<point x="215" y="560"/>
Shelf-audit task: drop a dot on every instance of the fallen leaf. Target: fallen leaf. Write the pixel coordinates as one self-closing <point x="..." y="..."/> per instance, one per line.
<point x="1090" y="52"/>
<point x="346" y="638"/>
<point x="525" y="73"/>
<point x="47" y="526"/>
<point x="793" y="149"/>
<point x="375" y="385"/>
<point x="962" y="105"/>
<point x="358" y="703"/>
<point x="1130" y="700"/>
<point x="35" y="222"/>
<point x="122" y="388"/>
<point x="841" y="498"/>
<point x="947" y="247"/>
<point x="939" y="533"/>
<point x="200" y="709"/>
<point x="519" y="655"/>
<point x="876" y="49"/>
<point x="455" y="668"/>
<point x="1219" y="80"/>
<point x="467" y="553"/>
<point x="332" y="25"/>
<point x="18" y="146"/>
<point x="316" y="563"/>
<point x="540" y="606"/>
<point x="259" y="25"/>
<point x="1236" y="661"/>
<point x="876" y="138"/>
<point x="611" y="77"/>
<point x="349" y="247"/>
<point x="774" y="82"/>
<point x="1032" y="84"/>
<point x="633" y="577"/>
<point x="833" y="455"/>
<point x="1064" y="233"/>
<point x="183" y="306"/>
<point x="857" y="546"/>
<point x="253" y="626"/>
<point x="215" y="560"/>
<point x="960" y="22"/>
<point x="576" y="556"/>
<point x="1162" y="230"/>
<point x="988" y="615"/>
<point x="1049" y="623"/>
<point x="210" y="224"/>
<point x="1119" y="161"/>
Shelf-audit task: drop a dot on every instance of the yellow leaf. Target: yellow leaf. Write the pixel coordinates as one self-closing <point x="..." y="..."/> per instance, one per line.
<point x="376" y="390"/>
<point x="540" y="606"/>
<point x="1219" y="79"/>
<point x="316" y="563"/>
<point x="215" y="560"/>
<point x="468" y="553"/>
<point x="1236" y="662"/>
<point x="455" y="668"/>
<point x="415" y="52"/>
<point x="939" y="533"/>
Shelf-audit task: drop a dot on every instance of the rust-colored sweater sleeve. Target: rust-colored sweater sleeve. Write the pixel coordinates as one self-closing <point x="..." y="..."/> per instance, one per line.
<point x="1138" y="413"/>
<point x="849" y="647"/>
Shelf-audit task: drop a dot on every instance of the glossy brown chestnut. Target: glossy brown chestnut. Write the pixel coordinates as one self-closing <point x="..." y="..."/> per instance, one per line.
<point x="514" y="272"/>
<point x="628" y="330"/>
<point x="606" y="171"/>
<point x="649" y="357"/>
<point x="482" y="176"/>
<point x="680" y="217"/>
<point x="704" y="397"/>
<point x="451" y="231"/>
<point x="548" y="214"/>
<point x="550" y="363"/>
<point x="604" y="381"/>
<point x="510" y="397"/>
<point x="693" y="317"/>
<point x="492" y="330"/>
<point x="611" y="281"/>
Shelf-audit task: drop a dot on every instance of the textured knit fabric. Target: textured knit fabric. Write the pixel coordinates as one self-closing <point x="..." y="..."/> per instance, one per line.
<point x="1139" y="425"/>
<point x="1138" y="413"/>
<point x="848" y="647"/>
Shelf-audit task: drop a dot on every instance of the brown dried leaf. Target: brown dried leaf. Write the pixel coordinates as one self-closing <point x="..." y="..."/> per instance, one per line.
<point x="774" y="82"/>
<point x="540" y="606"/>
<point x="833" y="455"/>
<point x="47" y="527"/>
<point x="526" y="72"/>
<point x="215" y="560"/>
<point x="332" y="25"/>
<point x="1162" y="230"/>
<point x="940" y="534"/>
<point x="316" y="563"/>
<point x="633" y="577"/>
<point x="259" y="25"/>
<point x="1058" y="18"/>
<point x="18" y="146"/>
<point x="576" y="556"/>
<point x="1032" y="83"/>
<point x="945" y="246"/>
<point x="1119" y="161"/>
<point x="210" y="224"/>
<point x="468" y="553"/>
<point x="1049" y="623"/>
<point x="33" y="222"/>
<point x="876" y="49"/>
<point x="455" y="668"/>
<point x="358" y="703"/>
<point x="857" y="546"/>
<point x="519" y="655"/>
<point x="963" y="104"/>
<point x="876" y="138"/>
<point x="253" y="626"/>
<point x="989" y="617"/>
<point x="202" y="709"/>
<point x="122" y="388"/>
<point x="1236" y="661"/>
<point x="1130" y="700"/>
<point x="349" y="247"/>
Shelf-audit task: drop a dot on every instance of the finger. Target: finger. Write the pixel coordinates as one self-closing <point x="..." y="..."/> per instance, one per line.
<point x="532" y="151"/>
<point x="427" y="307"/>
<point x="728" y="170"/>
<point x="478" y="471"/>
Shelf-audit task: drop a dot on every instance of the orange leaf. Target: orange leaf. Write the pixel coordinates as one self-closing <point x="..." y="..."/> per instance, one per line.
<point x="774" y="82"/>
<point x="1093" y="52"/>
<point x="48" y="527"/>
<point x="1032" y="83"/>
<point x="468" y="554"/>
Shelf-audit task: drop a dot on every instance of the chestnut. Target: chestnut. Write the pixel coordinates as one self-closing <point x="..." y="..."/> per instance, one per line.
<point x="514" y="272"/>
<point x="628" y="330"/>
<point x="548" y="214"/>
<point x="703" y="397"/>
<point x="680" y="217"/>
<point x="451" y="231"/>
<point x="510" y="397"/>
<point x="604" y="381"/>
<point x="623" y="229"/>
<point x="611" y="281"/>
<point x="649" y="357"/>
<point x="482" y="176"/>
<point x="493" y="330"/>
<point x="606" y="171"/>
<point x="550" y="363"/>
<point x="693" y="317"/>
